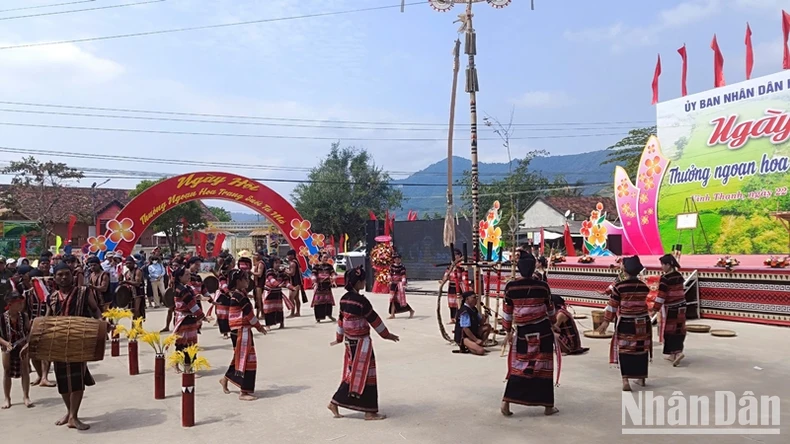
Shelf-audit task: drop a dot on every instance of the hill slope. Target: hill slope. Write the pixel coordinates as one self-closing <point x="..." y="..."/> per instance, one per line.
<point x="584" y="167"/>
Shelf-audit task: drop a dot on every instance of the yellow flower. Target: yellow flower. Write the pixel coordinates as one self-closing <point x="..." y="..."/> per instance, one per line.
<point x="192" y="351"/>
<point x="120" y="329"/>
<point x="598" y="236"/>
<point x="170" y="341"/>
<point x="176" y="359"/>
<point x="493" y="235"/>
<point x="200" y="364"/>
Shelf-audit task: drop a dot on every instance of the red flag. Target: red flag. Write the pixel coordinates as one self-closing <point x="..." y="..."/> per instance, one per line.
<point x="542" y="240"/>
<point x="749" y="52"/>
<point x="786" y="34"/>
<point x="70" y="228"/>
<point x="656" y="74"/>
<point x="569" y="249"/>
<point x="341" y="244"/>
<point x="23" y="246"/>
<point x="387" y="223"/>
<point x="218" y="244"/>
<point x="683" y="70"/>
<point x="718" y="64"/>
<point x="372" y="215"/>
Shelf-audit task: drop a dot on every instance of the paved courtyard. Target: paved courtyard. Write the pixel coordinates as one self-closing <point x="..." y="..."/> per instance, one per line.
<point x="430" y="394"/>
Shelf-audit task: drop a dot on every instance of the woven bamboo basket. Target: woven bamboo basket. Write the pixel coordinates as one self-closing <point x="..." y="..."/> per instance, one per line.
<point x="67" y="339"/>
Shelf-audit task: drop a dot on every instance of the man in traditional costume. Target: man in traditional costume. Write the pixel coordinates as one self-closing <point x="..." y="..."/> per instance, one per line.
<point x="276" y="280"/>
<point x="528" y="317"/>
<point x="397" y="274"/>
<point x="457" y="278"/>
<point x="99" y="282"/>
<point x="174" y="265"/>
<point x="76" y="269"/>
<point x="323" y="281"/>
<point x="358" y="390"/>
<point x="671" y="303"/>
<point x="133" y="278"/>
<point x="632" y="343"/>
<point x="568" y="337"/>
<point x="14" y="332"/>
<point x="73" y="377"/>
<point x="295" y="285"/>
<point x="187" y="312"/>
<point x="541" y="269"/>
<point x="5" y="281"/>
<point x="36" y="304"/>
<point x="471" y="329"/>
<point x="242" y="369"/>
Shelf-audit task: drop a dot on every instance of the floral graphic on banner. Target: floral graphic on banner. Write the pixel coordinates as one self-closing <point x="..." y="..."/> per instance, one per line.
<point x="97" y="244"/>
<point x="595" y="232"/>
<point x="121" y="230"/>
<point x="490" y="233"/>
<point x="300" y="229"/>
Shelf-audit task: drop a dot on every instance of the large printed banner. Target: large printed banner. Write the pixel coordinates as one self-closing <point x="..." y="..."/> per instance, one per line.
<point x="729" y="150"/>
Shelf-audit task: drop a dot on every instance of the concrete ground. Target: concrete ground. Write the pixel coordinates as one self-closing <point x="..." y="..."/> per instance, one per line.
<point x="430" y="394"/>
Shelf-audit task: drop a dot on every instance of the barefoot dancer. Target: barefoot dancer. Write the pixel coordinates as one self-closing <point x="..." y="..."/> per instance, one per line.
<point x="296" y="284"/>
<point x="187" y="313"/>
<point x="242" y="369"/>
<point x="276" y="280"/>
<point x="73" y="377"/>
<point x="471" y="330"/>
<point x="529" y="310"/>
<point x="323" y="280"/>
<point x="36" y="304"/>
<point x="174" y="265"/>
<point x="457" y="285"/>
<point x="671" y="302"/>
<point x="632" y="343"/>
<point x="14" y="332"/>
<point x="358" y="390"/>
<point x="398" y="302"/>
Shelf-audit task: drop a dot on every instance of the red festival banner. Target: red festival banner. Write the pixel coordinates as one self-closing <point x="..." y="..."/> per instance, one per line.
<point x="749" y="52"/>
<point x="683" y="70"/>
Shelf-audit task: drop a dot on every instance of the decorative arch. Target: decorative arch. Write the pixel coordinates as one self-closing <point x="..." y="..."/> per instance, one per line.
<point x="123" y="231"/>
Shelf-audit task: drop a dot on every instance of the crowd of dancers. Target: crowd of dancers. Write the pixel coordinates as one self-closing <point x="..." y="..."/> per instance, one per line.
<point x="252" y="295"/>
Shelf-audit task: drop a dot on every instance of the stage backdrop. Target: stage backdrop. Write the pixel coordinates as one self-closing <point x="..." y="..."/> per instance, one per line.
<point x="420" y="244"/>
<point x="728" y="150"/>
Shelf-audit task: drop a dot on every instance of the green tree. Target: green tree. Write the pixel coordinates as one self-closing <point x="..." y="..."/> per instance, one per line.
<point x="628" y="151"/>
<point x="37" y="188"/>
<point x="221" y="214"/>
<point x="342" y="189"/>
<point x="171" y="223"/>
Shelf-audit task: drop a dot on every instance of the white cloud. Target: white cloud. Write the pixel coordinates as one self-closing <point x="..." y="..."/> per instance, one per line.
<point x="543" y="99"/>
<point x="621" y="36"/>
<point x="765" y="5"/>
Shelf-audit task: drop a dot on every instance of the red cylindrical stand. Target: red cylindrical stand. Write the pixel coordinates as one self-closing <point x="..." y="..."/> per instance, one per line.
<point x="187" y="399"/>
<point x="134" y="366"/>
<point x="159" y="376"/>
<point x="115" y="345"/>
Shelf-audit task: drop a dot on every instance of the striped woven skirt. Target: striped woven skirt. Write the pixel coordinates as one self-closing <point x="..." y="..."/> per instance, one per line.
<point x="632" y="346"/>
<point x="531" y="366"/>
<point x="358" y="390"/>
<point x="673" y="328"/>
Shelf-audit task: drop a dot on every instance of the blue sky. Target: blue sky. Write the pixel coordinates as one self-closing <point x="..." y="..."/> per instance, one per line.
<point x="566" y="61"/>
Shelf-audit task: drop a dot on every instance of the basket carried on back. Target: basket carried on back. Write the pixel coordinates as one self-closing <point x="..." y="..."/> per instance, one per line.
<point x="67" y="339"/>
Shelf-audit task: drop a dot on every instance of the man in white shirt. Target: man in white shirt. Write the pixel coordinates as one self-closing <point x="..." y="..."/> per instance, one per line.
<point x="156" y="274"/>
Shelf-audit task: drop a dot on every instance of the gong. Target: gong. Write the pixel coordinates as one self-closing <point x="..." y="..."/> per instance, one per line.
<point x="211" y="283"/>
<point x="123" y="296"/>
<point x="170" y="298"/>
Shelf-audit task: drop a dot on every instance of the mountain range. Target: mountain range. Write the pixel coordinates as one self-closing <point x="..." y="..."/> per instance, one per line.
<point x="584" y="167"/>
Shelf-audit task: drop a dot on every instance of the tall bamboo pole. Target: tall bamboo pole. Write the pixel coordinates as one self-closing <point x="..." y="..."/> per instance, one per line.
<point x="470" y="49"/>
<point x="449" y="220"/>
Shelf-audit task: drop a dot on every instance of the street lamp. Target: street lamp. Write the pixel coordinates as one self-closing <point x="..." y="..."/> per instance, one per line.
<point x="93" y="206"/>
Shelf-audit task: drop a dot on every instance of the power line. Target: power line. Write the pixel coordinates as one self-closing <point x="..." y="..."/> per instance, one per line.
<point x="284" y="119"/>
<point x="80" y="10"/>
<point x="198" y="28"/>
<point x="271" y="124"/>
<point x="47" y="6"/>
<point x="281" y="136"/>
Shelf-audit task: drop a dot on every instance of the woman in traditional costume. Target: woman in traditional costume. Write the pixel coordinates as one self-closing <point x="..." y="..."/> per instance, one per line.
<point x="398" y="303"/>
<point x="188" y="316"/>
<point x="457" y="278"/>
<point x="242" y="369"/>
<point x="632" y="343"/>
<point x="358" y="390"/>
<point x="568" y="337"/>
<point x="14" y="331"/>
<point x="671" y="303"/>
<point x="276" y="280"/>
<point x="323" y="279"/>
<point x="528" y="317"/>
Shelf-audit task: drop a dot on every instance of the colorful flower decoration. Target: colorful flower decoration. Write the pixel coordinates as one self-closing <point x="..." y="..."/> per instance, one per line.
<point x="643" y="198"/>
<point x="493" y="236"/>
<point x="483" y="226"/>
<point x="304" y="251"/>
<point x="586" y="226"/>
<point x="598" y="235"/>
<point x="97" y="244"/>
<point x="318" y="240"/>
<point x="489" y="233"/>
<point x="622" y="190"/>
<point x="121" y="231"/>
<point x="313" y="259"/>
<point x="599" y="206"/>
<point x="594" y="232"/>
<point x="653" y="166"/>
<point x="300" y="229"/>
<point x="649" y="183"/>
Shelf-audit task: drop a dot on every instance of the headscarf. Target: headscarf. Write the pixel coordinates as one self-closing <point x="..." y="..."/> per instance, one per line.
<point x="353" y="276"/>
<point x="632" y="265"/>
<point x="526" y="264"/>
<point x="670" y="260"/>
<point x="234" y="277"/>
